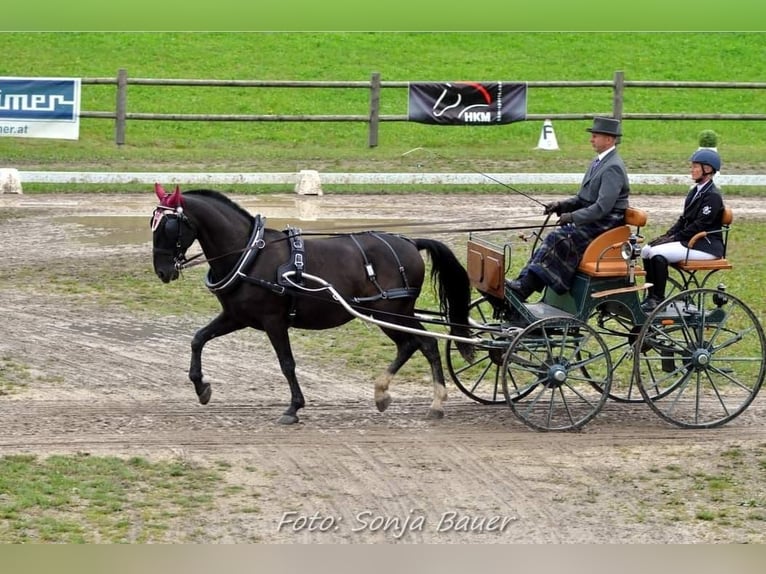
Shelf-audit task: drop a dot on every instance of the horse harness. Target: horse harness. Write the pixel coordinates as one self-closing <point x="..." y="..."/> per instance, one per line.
<point x="254" y="246"/>
<point x="398" y="292"/>
<point x="296" y="265"/>
<point x="296" y="262"/>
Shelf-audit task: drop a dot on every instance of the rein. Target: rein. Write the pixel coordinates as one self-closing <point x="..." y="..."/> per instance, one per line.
<point x="198" y="258"/>
<point x="190" y="261"/>
<point x="352" y="230"/>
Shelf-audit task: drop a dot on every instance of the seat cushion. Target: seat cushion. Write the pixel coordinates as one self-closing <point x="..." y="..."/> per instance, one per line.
<point x="703" y="265"/>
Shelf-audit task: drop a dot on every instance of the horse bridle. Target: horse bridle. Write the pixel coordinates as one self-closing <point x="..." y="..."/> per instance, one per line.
<point x="161" y="216"/>
<point x="178" y="253"/>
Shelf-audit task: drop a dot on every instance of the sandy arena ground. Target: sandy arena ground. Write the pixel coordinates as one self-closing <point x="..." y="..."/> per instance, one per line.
<point x="115" y="383"/>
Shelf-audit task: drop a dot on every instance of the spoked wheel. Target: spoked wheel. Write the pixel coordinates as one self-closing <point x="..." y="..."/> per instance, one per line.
<point x="480" y="379"/>
<point x="557" y="374"/>
<point x="672" y="287"/>
<point x="614" y="323"/>
<point x="700" y="358"/>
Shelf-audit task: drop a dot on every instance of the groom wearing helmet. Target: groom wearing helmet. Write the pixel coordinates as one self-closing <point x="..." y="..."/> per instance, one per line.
<point x="703" y="210"/>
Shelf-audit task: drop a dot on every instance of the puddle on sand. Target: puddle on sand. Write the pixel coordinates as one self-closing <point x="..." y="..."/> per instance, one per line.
<point x="109" y="230"/>
<point x="124" y="333"/>
<point x="131" y="229"/>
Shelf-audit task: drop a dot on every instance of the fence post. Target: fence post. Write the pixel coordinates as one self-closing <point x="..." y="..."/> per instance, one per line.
<point x="372" y="140"/>
<point x="618" y="95"/>
<point x="122" y="97"/>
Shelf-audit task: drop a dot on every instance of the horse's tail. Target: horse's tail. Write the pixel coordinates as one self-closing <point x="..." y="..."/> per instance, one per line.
<point x="453" y="289"/>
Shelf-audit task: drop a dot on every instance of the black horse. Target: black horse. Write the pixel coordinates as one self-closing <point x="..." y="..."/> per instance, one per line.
<point x="272" y="280"/>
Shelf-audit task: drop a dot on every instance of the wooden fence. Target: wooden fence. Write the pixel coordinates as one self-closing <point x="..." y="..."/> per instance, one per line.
<point x="618" y="84"/>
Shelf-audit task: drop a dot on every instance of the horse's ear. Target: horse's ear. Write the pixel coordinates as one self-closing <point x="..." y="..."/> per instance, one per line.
<point x="176" y="200"/>
<point x="161" y="194"/>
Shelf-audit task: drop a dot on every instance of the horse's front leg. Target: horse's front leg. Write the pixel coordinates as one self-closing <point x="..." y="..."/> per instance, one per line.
<point x="280" y="340"/>
<point x="221" y="325"/>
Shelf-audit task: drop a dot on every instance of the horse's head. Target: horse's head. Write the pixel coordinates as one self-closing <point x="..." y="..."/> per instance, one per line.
<point x="172" y="234"/>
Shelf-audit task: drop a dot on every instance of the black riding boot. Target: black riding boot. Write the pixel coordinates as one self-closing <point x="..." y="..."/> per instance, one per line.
<point x="526" y="284"/>
<point x="649" y="278"/>
<point x="657" y="270"/>
<point x="660" y="270"/>
<point x="660" y="276"/>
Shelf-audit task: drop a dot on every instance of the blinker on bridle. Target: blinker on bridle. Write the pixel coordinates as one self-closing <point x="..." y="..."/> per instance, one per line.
<point x="164" y="213"/>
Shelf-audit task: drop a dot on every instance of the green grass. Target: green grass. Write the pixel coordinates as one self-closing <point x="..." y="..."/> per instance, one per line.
<point x="341" y="146"/>
<point x="86" y="499"/>
<point x="14" y="376"/>
<point x="722" y="496"/>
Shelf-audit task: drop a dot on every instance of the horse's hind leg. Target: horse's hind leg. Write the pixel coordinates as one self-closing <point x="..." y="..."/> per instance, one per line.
<point x="406" y="345"/>
<point x="430" y="349"/>
<point x="221" y="325"/>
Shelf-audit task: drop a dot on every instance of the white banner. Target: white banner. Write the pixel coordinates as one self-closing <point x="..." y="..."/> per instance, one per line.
<point x="40" y="107"/>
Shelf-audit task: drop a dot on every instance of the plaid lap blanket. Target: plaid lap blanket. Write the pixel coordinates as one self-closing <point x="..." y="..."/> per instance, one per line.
<point x="556" y="260"/>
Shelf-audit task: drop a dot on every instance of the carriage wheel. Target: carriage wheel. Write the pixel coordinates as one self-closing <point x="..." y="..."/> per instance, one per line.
<point x="616" y="327"/>
<point x="701" y="356"/>
<point x="620" y="333"/>
<point x="557" y="374"/>
<point x="672" y="287"/>
<point x="480" y="379"/>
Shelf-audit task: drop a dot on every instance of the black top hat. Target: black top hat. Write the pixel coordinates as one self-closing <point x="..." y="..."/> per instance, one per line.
<point x="607" y="126"/>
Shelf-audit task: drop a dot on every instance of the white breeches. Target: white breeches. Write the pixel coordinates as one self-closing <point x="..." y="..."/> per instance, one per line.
<point x="674" y="252"/>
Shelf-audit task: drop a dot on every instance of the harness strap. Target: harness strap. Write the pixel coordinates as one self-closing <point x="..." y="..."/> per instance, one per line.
<point x="368" y="266"/>
<point x="297" y="261"/>
<point x="396" y="293"/>
<point x="254" y="247"/>
<point x="398" y="262"/>
<point x="273" y="287"/>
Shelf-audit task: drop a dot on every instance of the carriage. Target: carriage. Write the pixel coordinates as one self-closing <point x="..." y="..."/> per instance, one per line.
<point x="698" y="359"/>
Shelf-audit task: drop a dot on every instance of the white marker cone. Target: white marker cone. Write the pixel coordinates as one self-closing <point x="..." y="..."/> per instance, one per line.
<point x="547" y="139"/>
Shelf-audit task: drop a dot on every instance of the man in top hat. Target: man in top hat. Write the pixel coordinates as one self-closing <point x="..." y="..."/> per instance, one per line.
<point x="598" y="206"/>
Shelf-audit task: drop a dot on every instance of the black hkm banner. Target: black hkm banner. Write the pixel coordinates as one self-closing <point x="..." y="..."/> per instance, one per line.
<point x="467" y="103"/>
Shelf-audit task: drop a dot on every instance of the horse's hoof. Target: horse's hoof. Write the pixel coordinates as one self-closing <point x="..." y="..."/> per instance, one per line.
<point x="433" y="414"/>
<point x="383" y="403"/>
<point x="288" y="419"/>
<point x="204" y="396"/>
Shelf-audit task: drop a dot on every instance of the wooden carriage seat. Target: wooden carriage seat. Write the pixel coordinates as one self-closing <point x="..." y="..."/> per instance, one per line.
<point x="603" y="258"/>
<point x="688" y="268"/>
<point x="709" y="264"/>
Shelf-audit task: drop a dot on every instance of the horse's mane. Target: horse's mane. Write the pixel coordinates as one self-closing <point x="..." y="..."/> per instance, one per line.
<point x="220" y="197"/>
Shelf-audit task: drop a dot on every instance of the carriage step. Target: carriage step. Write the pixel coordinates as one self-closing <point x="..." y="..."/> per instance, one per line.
<point x="544" y="310"/>
<point x="631" y="289"/>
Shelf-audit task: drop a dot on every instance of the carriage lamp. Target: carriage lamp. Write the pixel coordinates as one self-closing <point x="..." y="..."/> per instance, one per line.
<point x="626" y="251"/>
<point x="630" y="251"/>
<point x="719" y="297"/>
<point x="631" y="248"/>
